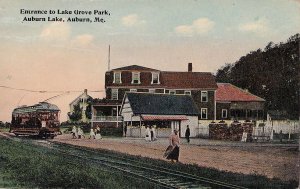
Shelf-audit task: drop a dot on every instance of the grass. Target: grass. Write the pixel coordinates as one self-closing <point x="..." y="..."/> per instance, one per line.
<point x="28" y="166"/>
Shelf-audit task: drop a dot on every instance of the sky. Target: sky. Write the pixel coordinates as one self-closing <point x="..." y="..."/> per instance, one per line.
<point x="48" y="58"/>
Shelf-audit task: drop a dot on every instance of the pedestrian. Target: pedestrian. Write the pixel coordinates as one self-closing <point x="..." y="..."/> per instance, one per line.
<point x="125" y="130"/>
<point x="92" y="134"/>
<point x="244" y="137"/>
<point x="174" y="143"/>
<point x="98" y="133"/>
<point x="280" y="136"/>
<point x="151" y="133"/>
<point x="187" y="134"/>
<point x="154" y="133"/>
<point x="80" y="133"/>
<point x="74" y="132"/>
<point x="147" y="134"/>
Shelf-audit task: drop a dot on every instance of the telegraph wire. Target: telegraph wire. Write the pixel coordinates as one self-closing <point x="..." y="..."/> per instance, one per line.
<point x="45" y="91"/>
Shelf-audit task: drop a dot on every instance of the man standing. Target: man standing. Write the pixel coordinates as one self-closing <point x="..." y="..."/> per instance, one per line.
<point x="174" y="142"/>
<point x="187" y="133"/>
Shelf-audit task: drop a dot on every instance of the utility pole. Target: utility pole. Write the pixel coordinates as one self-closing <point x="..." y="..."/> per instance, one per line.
<point x="108" y="57"/>
<point x="299" y="111"/>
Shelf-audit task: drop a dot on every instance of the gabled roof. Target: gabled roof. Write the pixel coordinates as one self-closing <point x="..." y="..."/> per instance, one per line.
<point x="76" y="100"/>
<point x="162" y="104"/>
<point x="188" y="80"/>
<point x="227" y="92"/>
<point x="134" y="68"/>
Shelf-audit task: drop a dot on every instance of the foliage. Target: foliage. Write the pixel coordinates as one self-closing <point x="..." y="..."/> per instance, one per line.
<point x="76" y="114"/>
<point x="4" y="125"/>
<point x="112" y="131"/>
<point x="88" y="111"/>
<point x="272" y="73"/>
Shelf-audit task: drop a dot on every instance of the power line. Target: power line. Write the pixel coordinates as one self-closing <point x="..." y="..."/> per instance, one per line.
<point x="46" y="91"/>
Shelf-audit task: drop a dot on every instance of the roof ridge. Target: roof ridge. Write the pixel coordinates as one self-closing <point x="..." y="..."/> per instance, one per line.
<point x="246" y="91"/>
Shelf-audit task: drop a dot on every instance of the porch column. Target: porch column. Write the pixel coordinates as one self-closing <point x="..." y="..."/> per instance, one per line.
<point x="117" y="117"/>
<point x="140" y="126"/>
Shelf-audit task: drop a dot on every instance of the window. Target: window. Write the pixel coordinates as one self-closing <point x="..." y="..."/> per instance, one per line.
<point x="133" y="90"/>
<point x="204" y="97"/>
<point x="203" y="113"/>
<point x="117" y="77"/>
<point x="114" y="94"/>
<point x="172" y="92"/>
<point x="135" y="78"/>
<point x="151" y="90"/>
<point x="187" y="92"/>
<point x="155" y="78"/>
<point x="224" y="113"/>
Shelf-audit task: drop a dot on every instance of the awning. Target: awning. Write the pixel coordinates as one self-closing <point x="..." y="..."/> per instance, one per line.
<point x="163" y="117"/>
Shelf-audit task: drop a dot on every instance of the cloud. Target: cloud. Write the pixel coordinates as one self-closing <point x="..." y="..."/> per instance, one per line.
<point x="83" y="40"/>
<point x="199" y="26"/>
<point x="56" y="31"/>
<point x="132" y="20"/>
<point x="259" y="27"/>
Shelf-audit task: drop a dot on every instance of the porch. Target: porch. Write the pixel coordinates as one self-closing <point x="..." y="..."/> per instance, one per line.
<point x="106" y="114"/>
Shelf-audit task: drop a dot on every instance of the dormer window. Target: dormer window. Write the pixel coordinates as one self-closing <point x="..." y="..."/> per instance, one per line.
<point x="117" y="77"/>
<point x="155" y="78"/>
<point x="135" y="78"/>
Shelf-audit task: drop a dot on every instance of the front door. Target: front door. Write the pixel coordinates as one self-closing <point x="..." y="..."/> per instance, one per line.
<point x="176" y="125"/>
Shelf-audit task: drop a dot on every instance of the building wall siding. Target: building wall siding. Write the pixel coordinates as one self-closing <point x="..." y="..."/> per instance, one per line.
<point x="221" y="106"/>
<point x="210" y="105"/>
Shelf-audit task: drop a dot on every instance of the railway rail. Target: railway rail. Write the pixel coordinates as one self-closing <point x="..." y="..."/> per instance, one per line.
<point x="159" y="176"/>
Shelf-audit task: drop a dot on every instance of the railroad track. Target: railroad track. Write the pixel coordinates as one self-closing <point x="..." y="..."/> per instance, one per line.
<point x="159" y="176"/>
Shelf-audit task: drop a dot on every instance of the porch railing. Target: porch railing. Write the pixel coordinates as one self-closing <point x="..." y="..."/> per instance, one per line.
<point x="107" y="118"/>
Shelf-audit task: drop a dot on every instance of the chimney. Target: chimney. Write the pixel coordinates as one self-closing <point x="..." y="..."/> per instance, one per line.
<point x="190" y="67"/>
<point x="85" y="91"/>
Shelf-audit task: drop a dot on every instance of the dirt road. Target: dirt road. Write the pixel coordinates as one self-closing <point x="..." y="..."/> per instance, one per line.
<point x="278" y="161"/>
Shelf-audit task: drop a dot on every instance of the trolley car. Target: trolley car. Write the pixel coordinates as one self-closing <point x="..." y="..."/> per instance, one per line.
<point x="40" y="120"/>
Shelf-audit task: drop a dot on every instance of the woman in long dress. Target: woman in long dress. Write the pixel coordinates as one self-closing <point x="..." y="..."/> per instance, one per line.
<point x="147" y="134"/>
<point x="98" y="134"/>
<point x="74" y="132"/>
<point x="80" y="133"/>
<point x="92" y="134"/>
<point x="173" y="154"/>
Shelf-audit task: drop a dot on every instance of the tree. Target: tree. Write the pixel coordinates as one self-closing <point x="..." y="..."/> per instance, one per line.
<point x="272" y="74"/>
<point x="88" y="111"/>
<point x="76" y="114"/>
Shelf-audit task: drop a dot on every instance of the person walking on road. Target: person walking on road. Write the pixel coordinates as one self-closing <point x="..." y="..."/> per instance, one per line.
<point x="80" y="133"/>
<point x="153" y="134"/>
<point x="98" y="133"/>
<point x="187" y="134"/>
<point x="174" y="142"/>
<point x="74" y="132"/>
<point x="147" y="134"/>
<point x="92" y="134"/>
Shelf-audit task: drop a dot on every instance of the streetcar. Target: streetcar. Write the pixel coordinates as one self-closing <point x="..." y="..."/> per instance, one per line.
<point x="40" y="120"/>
